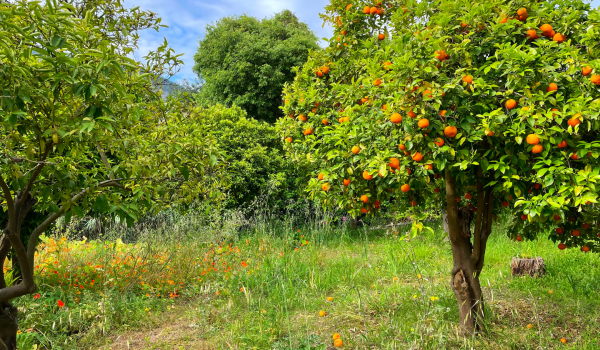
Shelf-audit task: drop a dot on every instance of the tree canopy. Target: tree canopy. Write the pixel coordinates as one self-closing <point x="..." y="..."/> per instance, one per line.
<point x="83" y="126"/>
<point x="471" y="106"/>
<point x="245" y="61"/>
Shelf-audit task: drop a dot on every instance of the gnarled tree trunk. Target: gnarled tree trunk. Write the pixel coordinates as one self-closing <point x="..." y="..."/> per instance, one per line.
<point x="8" y="327"/>
<point x="468" y="250"/>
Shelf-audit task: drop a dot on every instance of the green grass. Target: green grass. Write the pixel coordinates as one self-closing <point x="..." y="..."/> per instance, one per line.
<point x="390" y="291"/>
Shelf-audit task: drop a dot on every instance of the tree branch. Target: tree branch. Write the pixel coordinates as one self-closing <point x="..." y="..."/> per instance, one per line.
<point x="35" y="234"/>
<point x="9" y="199"/>
<point x="452" y="208"/>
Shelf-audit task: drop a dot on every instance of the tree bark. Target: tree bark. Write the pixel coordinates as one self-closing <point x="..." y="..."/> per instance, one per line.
<point x="8" y="327"/>
<point x="468" y="256"/>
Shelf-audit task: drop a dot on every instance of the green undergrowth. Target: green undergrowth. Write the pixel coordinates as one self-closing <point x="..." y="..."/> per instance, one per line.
<point x="389" y="291"/>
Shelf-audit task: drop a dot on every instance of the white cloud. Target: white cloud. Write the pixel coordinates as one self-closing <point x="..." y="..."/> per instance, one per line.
<point x="187" y="20"/>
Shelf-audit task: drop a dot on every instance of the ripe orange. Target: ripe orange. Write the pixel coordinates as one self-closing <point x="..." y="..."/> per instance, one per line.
<point x="413" y="203"/>
<point x="523" y="217"/>
<point x="537" y="149"/>
<point x="575" y="233"/>
<point x="442" y="113"/>
<point x="505" y="204"/>
<point x="552" y="87"/>
<point x="468" y="196"/>
<point x="373" y="10"/>
<point x="381" y="36"/>
<point x="532" y="139"/>
<point x="423" y="123"/>
<point x="595" y="79"/>
<point x="562" y="247"/>
<point x="556" y="217"/>
<point x="585" y="249"/>
<point x="427" y="94"/>
<point x="559" y="38"/>
<point x="441" y="55"/>
<point x="394" y="163"/>
<point x="364" y="210"/>
<point x="412" y="114"/>
<point x="338" y="343"/>
<point x="336" y="336"/>
<point x="380" y="12"/>
<point x="405" y="188"/>
<point x="532" y="34"/>
<point x="355" y="150"/>
<point x="519" y="238"/>
<point x="546" y="28"/>
<point x="489" y="133"/>
<point x="346" y="182"/>
<point x="325" y="70"/>
<point x="325" y="122"/>
<point x="396" y="118"/>
<point x="344" y="32"/>
<point x="377" y="82"/>
<point x="503" y="20"/>
<point x="348" y="7"/>
<point x="586" y="71"/>
<point x="377" y="204"/>
<point x="321" y="176"/>
<point x="428" y="166"/>
<point x="364" y="198"/>
<point x="559" y="231"/>
<point x="437" y="190"/>
<point x="367" y="10"/>
<point x="522" y="11"/>
<point x="510" y="104"/>
<point x="439" y="142"/>
<point x="302" y="117"/>
<point x="322" y="313"/>
<point x="367" y="176"/>
<point x="450" y="131"/>
<point x="288" y="139"/>
<point x="574" y="122"/>
<point x="417" y="157"/>
<point x="562" y="144"/>
<point x="402" y="147"/>
<point x="463" y="24"/>
<point x="319" y="73"/>
<point x="467" y="79"/>
<point x="325" y="187"/>
<point x="308" y="131"/>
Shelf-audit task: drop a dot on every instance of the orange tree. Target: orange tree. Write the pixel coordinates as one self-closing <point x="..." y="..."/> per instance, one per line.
<point x="83" y="126"/>
<point x="472" y="106"/>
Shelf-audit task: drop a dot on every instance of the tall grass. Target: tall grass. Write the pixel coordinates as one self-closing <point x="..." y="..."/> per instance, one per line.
<point x="252" y="280"/>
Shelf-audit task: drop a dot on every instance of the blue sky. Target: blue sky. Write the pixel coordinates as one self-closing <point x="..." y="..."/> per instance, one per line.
<point x="188" y="18"/>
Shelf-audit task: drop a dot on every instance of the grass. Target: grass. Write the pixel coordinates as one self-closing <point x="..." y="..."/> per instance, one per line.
<point x="389" y="291"/>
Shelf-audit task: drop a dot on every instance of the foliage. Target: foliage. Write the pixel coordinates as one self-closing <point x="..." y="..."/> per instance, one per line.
<point x="245" y="61"/>
<point x="254" y="163"/>
<point x="443" y="64"/>
<point x="84" y="127"/>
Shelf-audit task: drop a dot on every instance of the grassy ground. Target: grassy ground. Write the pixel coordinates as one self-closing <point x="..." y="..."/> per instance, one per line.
<point x="388" y="291"/>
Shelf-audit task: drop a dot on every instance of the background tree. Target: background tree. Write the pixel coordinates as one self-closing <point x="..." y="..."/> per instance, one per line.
<point x="84" y="127"/>
<point x="472" y="106"/>
<point x="246" y="61"/>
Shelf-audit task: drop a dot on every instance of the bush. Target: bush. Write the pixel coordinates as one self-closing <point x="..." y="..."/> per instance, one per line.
<point x="254" y="162"/>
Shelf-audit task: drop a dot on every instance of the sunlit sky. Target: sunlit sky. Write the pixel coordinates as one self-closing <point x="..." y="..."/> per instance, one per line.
<point x="187" y="20"/>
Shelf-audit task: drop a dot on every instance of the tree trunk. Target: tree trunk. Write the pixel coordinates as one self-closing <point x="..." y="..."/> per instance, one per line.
<point x="468" y="255"/>
<point x="8" y="327"/>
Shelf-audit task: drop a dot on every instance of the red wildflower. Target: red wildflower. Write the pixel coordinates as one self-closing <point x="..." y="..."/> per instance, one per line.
<point x="244" y="264"/>
<point x="60" y="303"/>
<point x="37" y="296"/>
